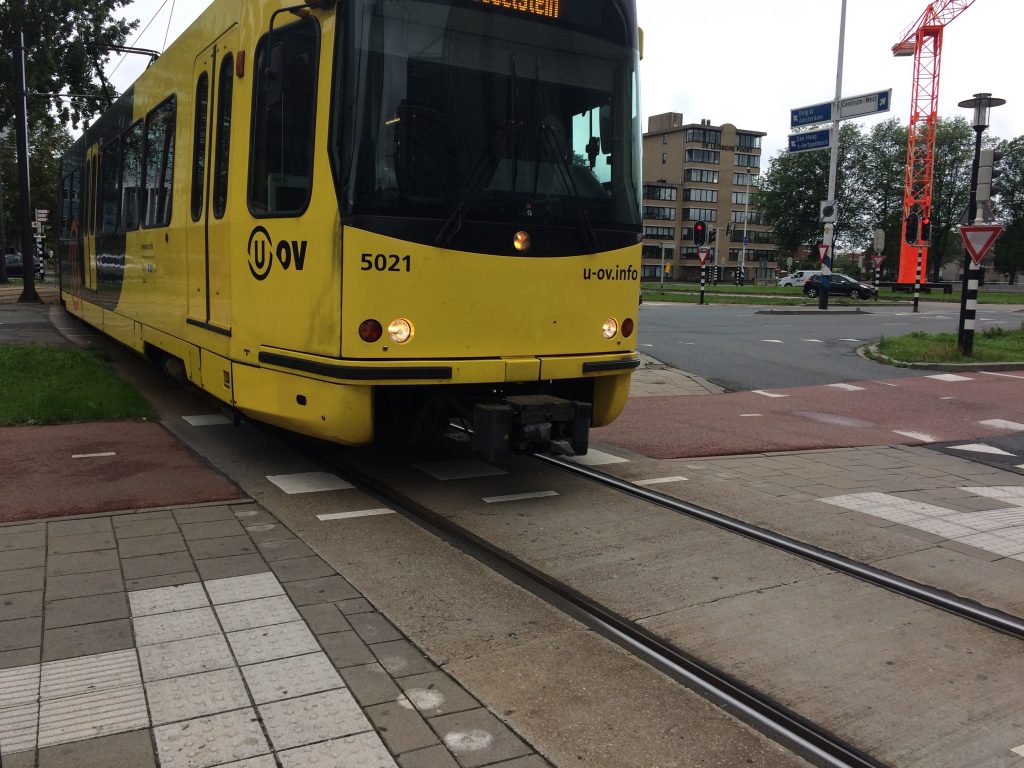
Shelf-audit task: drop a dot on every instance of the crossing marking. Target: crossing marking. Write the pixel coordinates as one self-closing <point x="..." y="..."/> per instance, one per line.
<point x="1002" y="424"/>
<point x="660" y="480"/>
<point x="207" y="420"/>
<point x="1007" y="375"/>
<point x="309" y="482"/>
<point x="773" y="341"/>
<point x="948" y="377"/>
<point x="766" y="394"/>
<point x="751" y="414"/>
<point x="924" y="438"/>
<point x="981" y="448"/>
<point x="93" y="455"/>
<point x="814" y="341"/>
<point x="595" y="458"/>
<point x="519" y="496"/>
<point x="355" y="513"/>
<point x="847" y="387"/>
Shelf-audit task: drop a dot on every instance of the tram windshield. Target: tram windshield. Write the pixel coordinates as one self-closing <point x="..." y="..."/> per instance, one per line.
<point x="490" y="111"/>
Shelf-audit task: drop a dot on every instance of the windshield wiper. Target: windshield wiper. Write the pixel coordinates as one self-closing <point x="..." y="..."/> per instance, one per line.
<point x="582" y="219"/>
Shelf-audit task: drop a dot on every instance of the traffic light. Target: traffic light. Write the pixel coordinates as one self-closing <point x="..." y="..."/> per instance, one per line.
<point x="910" y="233"/>
<point x="988" y="171"/>
<point x="700" y="233"/>
<point x="926" y="230"/>
<point x="714" y="235"/>
<point x="828" y="211"/>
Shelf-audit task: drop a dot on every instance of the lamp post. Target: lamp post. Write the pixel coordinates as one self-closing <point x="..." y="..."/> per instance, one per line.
<point x="746" y="215"/>
<point x="982" y="104"/>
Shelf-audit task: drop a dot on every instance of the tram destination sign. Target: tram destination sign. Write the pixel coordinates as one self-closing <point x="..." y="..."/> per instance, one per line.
<point x="805" y="142"/>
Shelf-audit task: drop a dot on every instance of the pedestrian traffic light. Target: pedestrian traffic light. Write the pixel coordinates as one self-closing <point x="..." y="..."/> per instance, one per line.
<point x="910" y="233"/>
<point x="700" y="233"/>
<point x="713" y="235"/>
<point x="926" y="230"/>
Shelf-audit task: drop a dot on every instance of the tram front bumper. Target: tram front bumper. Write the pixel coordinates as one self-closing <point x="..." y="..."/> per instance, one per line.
<point x="531" y="424"/>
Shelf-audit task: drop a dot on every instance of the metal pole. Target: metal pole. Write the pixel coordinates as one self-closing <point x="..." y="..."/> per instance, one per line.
<point x="917" y="279"/>
<point x="969" y="301"/>
<point x="3" y="234"/>
<point x="662" y="244"/>
<point x="28" y="262"/>
<point x="833" y="165"/>
<point x="743" y="249"/>
<point x="703" y="276"/>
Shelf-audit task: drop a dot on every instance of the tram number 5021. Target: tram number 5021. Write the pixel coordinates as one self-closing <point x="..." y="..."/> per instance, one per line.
<point x="385" y="263"/>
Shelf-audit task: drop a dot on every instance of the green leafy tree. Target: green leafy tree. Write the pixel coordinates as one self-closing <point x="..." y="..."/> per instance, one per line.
<point x="882" y="174"/>
<point x="1009" y="209"/>
<point x="951" y="190"/>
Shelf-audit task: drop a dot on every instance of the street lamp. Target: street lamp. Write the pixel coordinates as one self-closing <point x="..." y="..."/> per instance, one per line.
<point x="746" y="215"/>
<point x="982" y="104"/>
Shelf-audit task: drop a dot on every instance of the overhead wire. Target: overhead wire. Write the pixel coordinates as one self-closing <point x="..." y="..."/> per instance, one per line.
<point x="141" y="33"/>
<point x="168" y="30"/>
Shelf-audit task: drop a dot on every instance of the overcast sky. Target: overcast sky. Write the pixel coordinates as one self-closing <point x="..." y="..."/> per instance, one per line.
<point x="748" y="62"/>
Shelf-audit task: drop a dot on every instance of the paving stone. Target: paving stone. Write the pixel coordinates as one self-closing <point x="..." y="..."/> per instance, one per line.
<point x="22" y="558"/>
<point x="19" y="686"/>
<point x="370" y="684"/>
<point x="435" y="693"/>
<point x="301" y="568"/>
<point x="225" y="567"/>
<point x="22" y="580"/>
<point x="238" y="588"/>
<point x="431" y="757"/>
<point x="88" y="715"/>
<point x="89" y="674"/>
<point x="284" y="549"/>
<point x="125" y="750"/>
<point x="128" y="519"/>
<point x="253" y="516"/>
<point x="179" y="625"/>
<point x="87" y="542"/>
<point x="25" y="759"/>
<point x="374" y="628"/>
<point x="169" y="580"/>
<point x="192" y="696"/>
<point x="530" y="761"/>
<point x="274" y="642"/>
<point x="83" y="526"/>
<point x="401" y="658"/>
<point x="86" y="610"/>
<point x="478" y="738"/>
<point x="291" y="677"/>
<point x="30" y="540"/>
<point x="323" y="618"/>
<point x="156" y="565"/>
<point x="221" y="547"/>
<point x="159" y="544"/>
<point x="20" y="657"/>
<point x="83" y="584"/>
<point x="327" y="588"/>
<point x="82" y="562"/>
<point x="355" y="605"/>
<point x="21" y="605"/>
<point x="346" y="649"/>
<point x="268" y="532"/>
<point x="262" y="612"/>
<point x="313" y="718"/>
<point x="401" y="726"/>
<point x="18" y="728"/>
<point x="203" y="514"/>
<point x="263" y="761"/>
<point x="212" y="740"/>
<point x="363" y="750"/>
<point x="214" y="529"/>
<point x="130" y="529"/>
<point x="84" y="639"/>
<point x="184" y="657"/>
<point x="20" y="633"/>
<point x="167" y="599"/>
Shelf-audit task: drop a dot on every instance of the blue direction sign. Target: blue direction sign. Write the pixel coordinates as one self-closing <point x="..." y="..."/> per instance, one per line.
<point x="816" y="113"/>
<point x="805" y="142"/>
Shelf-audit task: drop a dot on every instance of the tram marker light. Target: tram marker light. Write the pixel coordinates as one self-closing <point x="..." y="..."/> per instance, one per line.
<point x="610" y="328"/>
<point x="400" y="330"/>
<point x="370" y="331"/>
<point x="521" y="242"/>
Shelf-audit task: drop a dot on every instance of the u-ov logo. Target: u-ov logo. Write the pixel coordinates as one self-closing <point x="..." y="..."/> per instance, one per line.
<point x="262" y="253"/>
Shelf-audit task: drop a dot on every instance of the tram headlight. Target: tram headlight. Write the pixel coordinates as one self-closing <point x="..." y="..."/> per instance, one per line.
<point x="370" y="331"/>
<point x="400" y="330"/>
<point x="521" y="242"/>
<point x="627" y="327"/>
<point x="610" y="328"/>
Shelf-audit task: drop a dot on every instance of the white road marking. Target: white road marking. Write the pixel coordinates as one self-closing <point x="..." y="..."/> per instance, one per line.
<point x="856" y="340"/>
<point x="751" y="414"/>
<point x="519" y="496"/>
<point x="1020" y="466"/>
<point x="895" y="323"/>
<point x="355" y="513"/>
<point x="92" y="455"/>
<point x="773" y="341"/>
<point x="847" y="387"/>
<point x="886" y="383"/>
<point x="924" y="438"/>
<point x="594" y="458"/>
<point x="947" y="377"/>
<point x="1018" y="750"/>
<point x="1007" y="375"/>
<point x="691" y="343"/>
<point x="309" y="482"/>
<point x="981" y="448"/>
<point x="766" y="394"/>
<point x="1002" y="424"/>
<point x="207" y="420"/>
<point x="948" y="397"/>
<point x="646" y="345"/>
<point x="814" y="341"/>
<point x="660" y="480"/>
<point x="459" y="469"/>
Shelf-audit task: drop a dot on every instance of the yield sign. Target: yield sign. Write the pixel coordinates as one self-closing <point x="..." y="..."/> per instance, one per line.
<point x="979" y="238"/>
<point x="822" y="252"/>
<point x="702" y="254"/>
<point x="878" y="258"/>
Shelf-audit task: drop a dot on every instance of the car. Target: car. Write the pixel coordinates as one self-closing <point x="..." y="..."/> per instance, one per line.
<point x="838" y="285"/>
<point x="14" y="265"/>
<point x="798" y="278"/>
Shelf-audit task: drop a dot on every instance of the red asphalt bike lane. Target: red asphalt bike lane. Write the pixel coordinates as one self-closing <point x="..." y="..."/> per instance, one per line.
<point x="817" y="417"/>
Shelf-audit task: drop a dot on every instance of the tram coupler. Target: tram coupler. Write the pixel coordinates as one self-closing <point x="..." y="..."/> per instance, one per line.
<point x="531" y="424"/>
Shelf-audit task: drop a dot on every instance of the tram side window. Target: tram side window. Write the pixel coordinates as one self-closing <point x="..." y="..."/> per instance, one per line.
<point x="65" y="205"/>
<point x="199" y="144"/>
<point x="284" y="117"/>
<point x="159" y="164"/>
<point x="75" y="210"/>
<point x="131" y="177"/>
<point x="223" y="141"/>
<point x="90" y="195"/>
<point x="110" y="188"/>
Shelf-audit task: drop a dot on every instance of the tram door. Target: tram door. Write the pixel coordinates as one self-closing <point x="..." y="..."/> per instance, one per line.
<point x="209" y="240"/>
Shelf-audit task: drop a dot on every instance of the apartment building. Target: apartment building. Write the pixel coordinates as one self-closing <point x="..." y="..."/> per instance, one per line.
<point x="701" y="172"/>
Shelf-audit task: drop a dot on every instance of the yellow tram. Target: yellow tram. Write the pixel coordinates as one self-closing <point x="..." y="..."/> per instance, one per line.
<point x="338" y="217"/>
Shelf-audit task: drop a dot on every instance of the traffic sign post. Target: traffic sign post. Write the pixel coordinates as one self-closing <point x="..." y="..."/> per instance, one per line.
<point x="878" y="258"/>
<point x="826" y="270"/>
<point x="978" y="238"/>
<point x="810" y="140"/>
<point x="702" y="254"/>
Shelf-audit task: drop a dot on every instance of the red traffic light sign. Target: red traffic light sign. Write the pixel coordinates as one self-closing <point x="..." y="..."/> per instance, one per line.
<point x="702" y="254"/>
<point x="822" y="252"/>
<point x="979" y="238"/>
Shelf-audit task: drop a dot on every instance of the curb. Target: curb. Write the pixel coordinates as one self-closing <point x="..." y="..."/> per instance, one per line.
<point x="873" y="354"/>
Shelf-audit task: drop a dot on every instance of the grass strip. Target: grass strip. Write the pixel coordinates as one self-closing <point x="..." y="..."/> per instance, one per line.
<point x="57" y="385"/>
<point x="996" y="345"/>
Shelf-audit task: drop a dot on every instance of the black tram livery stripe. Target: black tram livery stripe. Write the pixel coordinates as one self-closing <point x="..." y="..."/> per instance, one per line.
<point x="354" y="372"/>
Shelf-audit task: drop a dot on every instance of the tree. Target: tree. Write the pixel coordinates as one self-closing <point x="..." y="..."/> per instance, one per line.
<point x="882" y="173"/>
<point x="951" y="189"/>
<point x="1009" y="209"/>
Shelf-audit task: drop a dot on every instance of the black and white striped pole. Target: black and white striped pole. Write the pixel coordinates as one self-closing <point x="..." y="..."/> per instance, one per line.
<point x="878" y="246"/>
<point x="702" y="254"/>
<point x="917" y="279"/>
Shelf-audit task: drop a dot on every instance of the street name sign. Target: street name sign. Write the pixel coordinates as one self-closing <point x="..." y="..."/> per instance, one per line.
<point x="812" y="115"/>
<point x="865" y="104"/>
<point x="979" y="238"/>
<point x="805" y="142"/>
<point x="702" y="254"/>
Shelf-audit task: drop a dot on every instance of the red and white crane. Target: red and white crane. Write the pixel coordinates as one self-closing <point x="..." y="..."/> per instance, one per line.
<point x="923" y="41"/>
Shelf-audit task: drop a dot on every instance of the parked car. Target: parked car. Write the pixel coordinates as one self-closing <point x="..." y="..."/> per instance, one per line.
<point x="839" y="285"/>
<point x="14" y="265"/>
<point x="798" y="278"/>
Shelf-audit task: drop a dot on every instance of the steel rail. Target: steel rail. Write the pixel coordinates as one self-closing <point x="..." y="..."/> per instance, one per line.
<point x="776" y="721"/>
<point x="958" y="606"/>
